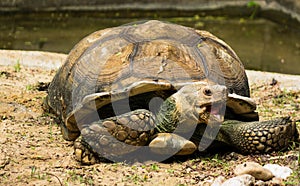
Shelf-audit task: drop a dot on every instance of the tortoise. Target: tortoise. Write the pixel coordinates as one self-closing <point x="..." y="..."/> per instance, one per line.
<point x="149" y="90"/>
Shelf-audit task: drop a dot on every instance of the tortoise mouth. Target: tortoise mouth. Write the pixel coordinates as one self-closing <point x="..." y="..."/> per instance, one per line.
<point x="214" y="113"/>
<point x="216" y="108"/>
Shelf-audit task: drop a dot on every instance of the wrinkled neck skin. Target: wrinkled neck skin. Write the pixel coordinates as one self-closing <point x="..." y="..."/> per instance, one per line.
<point x="176" y="113"/>
<point x="168" y="116"/>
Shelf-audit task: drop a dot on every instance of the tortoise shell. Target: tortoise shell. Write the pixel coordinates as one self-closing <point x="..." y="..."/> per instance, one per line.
<point x="133" y="60"/>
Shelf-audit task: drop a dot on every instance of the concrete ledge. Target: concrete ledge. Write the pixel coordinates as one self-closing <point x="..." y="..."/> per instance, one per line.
<point x="285" y="81"/>
<point x="45" y="60"/>
<point x="52" y="61"/>
<point x="287" y="7"/>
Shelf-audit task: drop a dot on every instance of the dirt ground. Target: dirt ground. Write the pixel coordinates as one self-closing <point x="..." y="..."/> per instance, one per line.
<point x="33" y="152"/>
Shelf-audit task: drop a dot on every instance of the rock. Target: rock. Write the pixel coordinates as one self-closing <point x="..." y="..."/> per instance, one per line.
<point x="218" y="181"/>
<point x="255" y="170"/>
<point x="279" y="171"/>
<point x="242" y="180"/>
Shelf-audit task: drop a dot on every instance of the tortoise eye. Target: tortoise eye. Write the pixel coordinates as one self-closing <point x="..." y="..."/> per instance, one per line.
<point x="207" y="92"/>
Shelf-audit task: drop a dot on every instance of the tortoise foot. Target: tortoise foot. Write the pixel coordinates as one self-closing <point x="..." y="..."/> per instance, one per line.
<point x="169" y="143"/>
<point x="83" y="154"/>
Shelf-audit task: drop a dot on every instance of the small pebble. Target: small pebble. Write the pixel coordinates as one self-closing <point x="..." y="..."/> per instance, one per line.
<point x="276" y="181"/>
<point x="261" y="183"/>
<point x="242" y="180"/>
<point x="279" y="171"/>
<point x="254" y="169"/>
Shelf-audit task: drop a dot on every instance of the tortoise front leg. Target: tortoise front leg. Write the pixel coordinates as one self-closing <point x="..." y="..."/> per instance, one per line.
<point x="115" y="136"/>
<point x="124" y="134"/>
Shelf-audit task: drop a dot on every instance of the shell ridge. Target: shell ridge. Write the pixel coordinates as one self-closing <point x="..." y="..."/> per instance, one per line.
<point x="203" y="61"/>
<point x="132" y="55"/>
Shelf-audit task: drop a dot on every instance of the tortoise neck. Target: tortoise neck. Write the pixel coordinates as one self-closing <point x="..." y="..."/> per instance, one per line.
<point x="168" y="116"/>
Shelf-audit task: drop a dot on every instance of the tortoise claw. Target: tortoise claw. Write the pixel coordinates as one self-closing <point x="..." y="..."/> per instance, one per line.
<point x="83" y="154"/>
<point x="169" y="143"/>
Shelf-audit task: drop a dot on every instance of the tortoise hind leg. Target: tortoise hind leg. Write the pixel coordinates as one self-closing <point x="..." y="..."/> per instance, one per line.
<point x="258" y="137"/>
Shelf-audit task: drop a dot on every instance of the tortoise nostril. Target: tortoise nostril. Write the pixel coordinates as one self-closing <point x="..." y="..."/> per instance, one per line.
<point x="207" y="92"/>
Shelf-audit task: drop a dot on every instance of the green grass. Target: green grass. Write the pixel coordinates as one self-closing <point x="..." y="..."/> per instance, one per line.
<point x="77" y="177"/>
<point x="37" y="174"/>
<point x="29" y="87"/>
<point x="17" y="66"/>
<point x="294" y="177"/>
<point x="154" y="167"/>
<point x="216" y="161"/>
<point x="255" y="6"/>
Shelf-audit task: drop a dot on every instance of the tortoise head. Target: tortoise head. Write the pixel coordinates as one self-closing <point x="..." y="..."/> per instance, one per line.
<point x="201" y="102"/>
